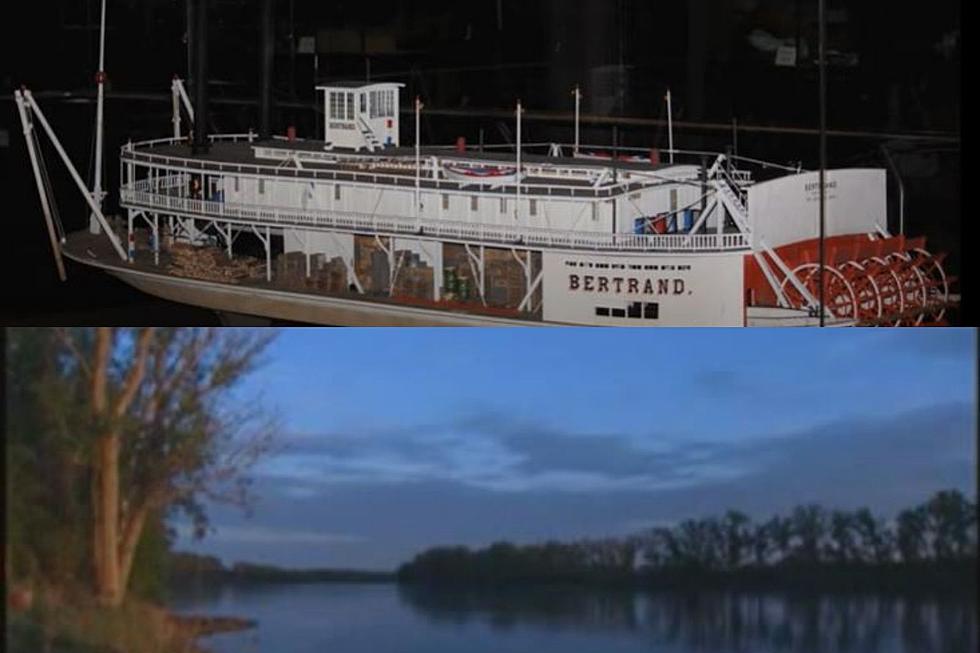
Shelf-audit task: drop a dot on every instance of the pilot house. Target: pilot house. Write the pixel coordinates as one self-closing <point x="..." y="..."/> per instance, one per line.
<point x="360" y="115"/>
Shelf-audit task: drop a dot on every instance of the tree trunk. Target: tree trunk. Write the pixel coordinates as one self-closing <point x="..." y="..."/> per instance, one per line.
<point x="108" y="580"/>
<point x="130" y="539"/>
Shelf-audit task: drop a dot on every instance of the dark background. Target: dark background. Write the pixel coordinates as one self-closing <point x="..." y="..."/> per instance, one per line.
<point x="893" y="80"/>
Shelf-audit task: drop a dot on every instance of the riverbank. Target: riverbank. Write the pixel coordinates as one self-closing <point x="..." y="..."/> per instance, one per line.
<point x="69" y="621"/>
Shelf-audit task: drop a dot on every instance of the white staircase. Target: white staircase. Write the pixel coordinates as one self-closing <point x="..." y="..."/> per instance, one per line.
<point x="370" y="139"/>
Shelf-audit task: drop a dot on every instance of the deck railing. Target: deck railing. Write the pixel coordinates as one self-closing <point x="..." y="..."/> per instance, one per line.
<point x="137" y="197"/>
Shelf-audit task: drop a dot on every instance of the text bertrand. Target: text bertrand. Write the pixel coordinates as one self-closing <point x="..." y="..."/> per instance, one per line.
<point x="629" y="285"/>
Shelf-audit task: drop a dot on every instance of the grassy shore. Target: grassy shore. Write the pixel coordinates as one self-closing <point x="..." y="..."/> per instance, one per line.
<point x="60" y="621"/>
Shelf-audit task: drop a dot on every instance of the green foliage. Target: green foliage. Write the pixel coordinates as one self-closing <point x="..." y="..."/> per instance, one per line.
<point x="184" y="439"/>
<point x="810" y="543"/>
<point x="148" y="579"/>
<point x="47" y="502"/>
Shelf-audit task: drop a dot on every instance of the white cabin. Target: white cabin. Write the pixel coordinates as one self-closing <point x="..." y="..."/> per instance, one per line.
<point x="361" y="115"/>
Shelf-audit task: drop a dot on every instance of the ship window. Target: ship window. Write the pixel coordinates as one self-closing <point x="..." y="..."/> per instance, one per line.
<point x="236" y="184"/>
<point x="503" y="205"/>
<point x="533" y="206"/>
<point x="651" y="311"/>
<point x="363" y="103"/>
<point x="619" y="312"/>
<point x="445" y="202"/>
<point x="635" y="310"/>
<point x="601" y="311"/>
<point x="595" y="211"/>
<point x="350" y="106"/>
<point x="336" y="192"/>
<point x="261" y="186"/>
<point x="474" y="203"/>
<point x="673" y="200"/>
<point x="336" y="106"/>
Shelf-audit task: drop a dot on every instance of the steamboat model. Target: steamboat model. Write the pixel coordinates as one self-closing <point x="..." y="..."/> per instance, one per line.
<point x="355" y="229"/>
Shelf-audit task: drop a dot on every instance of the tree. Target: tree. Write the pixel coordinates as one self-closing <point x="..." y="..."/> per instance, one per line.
<point x="876" y="540"/>
<point x="842" y="548"/>
<point x="163" y="430"/>
<point x="738" y="537"/>
<point x="952" y="522"/>
<point x="809" y="526"/>
<point x="911" y="525"/>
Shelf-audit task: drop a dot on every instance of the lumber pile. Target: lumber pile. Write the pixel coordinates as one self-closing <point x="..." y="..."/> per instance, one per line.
<point x="212" y="264"/>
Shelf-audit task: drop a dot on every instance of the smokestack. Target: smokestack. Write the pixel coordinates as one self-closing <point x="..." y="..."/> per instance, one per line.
<point x="265" y="72"/>
<point x="200" y="145"/>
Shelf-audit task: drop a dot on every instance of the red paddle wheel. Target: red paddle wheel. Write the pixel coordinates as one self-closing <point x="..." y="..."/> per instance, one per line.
<point x="871" y="280"/>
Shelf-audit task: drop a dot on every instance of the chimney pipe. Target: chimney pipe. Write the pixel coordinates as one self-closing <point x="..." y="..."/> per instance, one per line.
<point x="200" y="145"/>
<point x="265" y="72"/>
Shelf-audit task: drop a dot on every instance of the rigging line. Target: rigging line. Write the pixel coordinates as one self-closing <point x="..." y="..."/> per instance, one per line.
<point x="46" y="183"/>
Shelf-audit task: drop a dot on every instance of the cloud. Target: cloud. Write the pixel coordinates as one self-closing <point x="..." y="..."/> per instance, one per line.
<point x="497" y="453"/>
<point x="231" y="534"/>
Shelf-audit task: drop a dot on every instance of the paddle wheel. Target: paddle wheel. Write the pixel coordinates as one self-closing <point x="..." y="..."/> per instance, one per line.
<point x="870" y="280"/>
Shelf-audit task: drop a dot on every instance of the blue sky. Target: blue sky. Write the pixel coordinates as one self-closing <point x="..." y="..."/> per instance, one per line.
<point x="396" y="440"/>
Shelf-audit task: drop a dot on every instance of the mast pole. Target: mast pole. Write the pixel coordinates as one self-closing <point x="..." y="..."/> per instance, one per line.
<point x="578" y="108"/>
<point x="670" y="127"/>
<point x="93" y="223"/>
<point x="418" y="157"/>
<point x="823" y="151"/>
<point x="517" y="207"/>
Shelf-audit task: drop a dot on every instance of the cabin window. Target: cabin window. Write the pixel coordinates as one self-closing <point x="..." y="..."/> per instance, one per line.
<point x="350" y="106"/>
<point x="474" y="203"/>
<point x="261" y="186"/>
<point x="445" y="202"/>
<point x="673" y="200"/>
<point x="236" y="184"/>
<point x="533" y="207"/>
<point x="595" y="211"/>
<point x="336" y="106"/>
<point x="336" y="192"/>
<point x="503" y="205"/>
<point x="363" y="103"/>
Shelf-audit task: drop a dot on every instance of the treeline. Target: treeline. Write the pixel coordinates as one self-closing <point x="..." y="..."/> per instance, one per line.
<point x="188" y="567"/>
<point x="935" y="541"/>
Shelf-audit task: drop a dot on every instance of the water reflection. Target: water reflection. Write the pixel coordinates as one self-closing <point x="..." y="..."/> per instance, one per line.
<point x="717" y="621"/>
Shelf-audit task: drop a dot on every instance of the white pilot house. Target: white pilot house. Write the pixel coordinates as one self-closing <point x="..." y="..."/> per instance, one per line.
<point x="360" y="115"/>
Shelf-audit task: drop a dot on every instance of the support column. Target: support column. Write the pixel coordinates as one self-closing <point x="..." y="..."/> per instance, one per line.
<point x="268" y="254"/>
<point x="130" y="240"/>
<point x="156" y="239"/>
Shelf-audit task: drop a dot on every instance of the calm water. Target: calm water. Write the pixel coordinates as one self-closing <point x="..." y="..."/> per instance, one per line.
<point x="379" y="618"/>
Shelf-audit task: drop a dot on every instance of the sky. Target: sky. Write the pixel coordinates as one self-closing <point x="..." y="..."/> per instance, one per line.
<point x="393" y="441"/>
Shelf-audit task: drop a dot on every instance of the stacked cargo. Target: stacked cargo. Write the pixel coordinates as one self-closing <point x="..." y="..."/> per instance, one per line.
<point x="506" y="283"/>
<point x="331" y="276"/>
<point x="212" y="264"/>
<point x="458" y="283"/>
<point x="371" y="264"/>
<point x="291" y="270"/>
<point x="415" y="279"/>
<point x="324" y="276"/>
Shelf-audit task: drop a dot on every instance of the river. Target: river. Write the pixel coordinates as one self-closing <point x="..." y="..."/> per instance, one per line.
<point x="378" y="618"/>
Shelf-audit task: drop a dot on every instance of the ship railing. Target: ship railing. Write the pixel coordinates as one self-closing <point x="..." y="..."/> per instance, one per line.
<point x="374" y="177"/>
<point x="444" y="229"/>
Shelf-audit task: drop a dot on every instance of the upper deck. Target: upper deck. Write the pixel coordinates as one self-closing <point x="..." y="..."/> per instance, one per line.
<point x="557" y="176"/>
